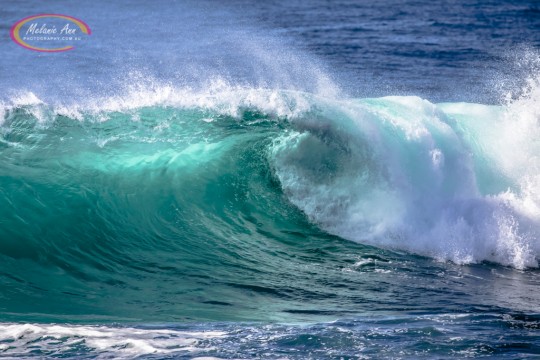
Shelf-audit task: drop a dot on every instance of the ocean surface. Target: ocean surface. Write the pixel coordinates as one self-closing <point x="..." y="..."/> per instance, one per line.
<point x="275" y="180"/>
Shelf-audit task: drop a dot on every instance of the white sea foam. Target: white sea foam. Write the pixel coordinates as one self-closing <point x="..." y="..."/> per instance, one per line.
<point x="18" y="340"/>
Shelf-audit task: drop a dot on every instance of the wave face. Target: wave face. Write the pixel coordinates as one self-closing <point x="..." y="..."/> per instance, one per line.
<point x="205" y="196"/>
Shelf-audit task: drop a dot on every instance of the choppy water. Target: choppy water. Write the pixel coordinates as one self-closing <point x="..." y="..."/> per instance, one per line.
<point x="296" y="180"/>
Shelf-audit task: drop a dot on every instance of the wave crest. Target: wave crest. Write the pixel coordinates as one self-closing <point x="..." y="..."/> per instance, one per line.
<point x="452" y="181"/>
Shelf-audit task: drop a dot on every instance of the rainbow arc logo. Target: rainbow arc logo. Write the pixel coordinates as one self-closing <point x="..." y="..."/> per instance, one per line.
<point x="64" y="34"/>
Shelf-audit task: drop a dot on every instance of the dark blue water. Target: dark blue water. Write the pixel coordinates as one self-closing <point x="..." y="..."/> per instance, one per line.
<point x="290" y="179"/>
<point x="444" y="51"/>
